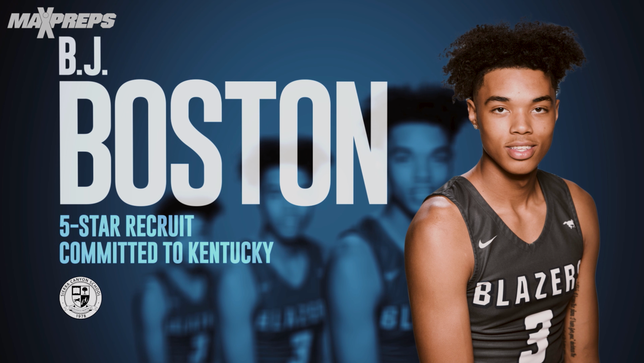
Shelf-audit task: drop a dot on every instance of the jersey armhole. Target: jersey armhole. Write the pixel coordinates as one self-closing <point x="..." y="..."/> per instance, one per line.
<point x="573" y="209"/>
<point x="475" y="271"/>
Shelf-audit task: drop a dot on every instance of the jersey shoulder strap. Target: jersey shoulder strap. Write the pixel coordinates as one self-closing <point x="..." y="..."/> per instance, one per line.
<point x="561" y="204"/>
<point x="476" y="216"/>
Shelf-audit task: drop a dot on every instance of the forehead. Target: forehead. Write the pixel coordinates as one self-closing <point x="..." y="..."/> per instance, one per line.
<point x="516" y="84"/>
<point x="418" y="136"/>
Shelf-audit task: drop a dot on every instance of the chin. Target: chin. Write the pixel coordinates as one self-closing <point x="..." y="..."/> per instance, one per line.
<point x="288" y="236"/>
<point x="520" y="168"/>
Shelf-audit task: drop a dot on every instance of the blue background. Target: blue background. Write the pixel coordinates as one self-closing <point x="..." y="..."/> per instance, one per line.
<point x="597" y="144"/>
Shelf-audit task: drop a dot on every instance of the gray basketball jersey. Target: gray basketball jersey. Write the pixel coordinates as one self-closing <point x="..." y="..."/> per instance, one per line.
<point x="289" y="321"/>
<point x="519" y="292"/>
<point x="393" y="316"/>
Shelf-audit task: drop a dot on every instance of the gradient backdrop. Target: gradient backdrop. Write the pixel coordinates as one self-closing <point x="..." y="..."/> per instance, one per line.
<point x="597" y="144"/>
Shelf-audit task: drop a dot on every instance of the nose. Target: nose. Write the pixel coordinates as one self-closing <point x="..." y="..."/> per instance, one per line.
<point x="422" y="173"/>
<point x="521" y="124"/>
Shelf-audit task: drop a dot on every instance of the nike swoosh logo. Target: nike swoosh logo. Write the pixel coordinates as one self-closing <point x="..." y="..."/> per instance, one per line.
<point x="483" y="245"/>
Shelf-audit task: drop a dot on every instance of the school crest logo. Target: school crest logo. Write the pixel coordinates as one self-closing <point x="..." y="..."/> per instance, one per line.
<point x="80" y="297"/>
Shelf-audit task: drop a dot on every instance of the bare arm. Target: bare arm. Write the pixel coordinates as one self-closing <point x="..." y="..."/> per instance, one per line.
<point x="582" y="328"/>
<point x="439" y="262"/>
<point x="236" y="297"/>
<point x="153" y="309"/>
<point x="353" y="292"/>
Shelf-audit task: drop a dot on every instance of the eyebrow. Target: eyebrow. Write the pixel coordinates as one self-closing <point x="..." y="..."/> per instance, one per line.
<point x="399" y="148"/>
<point x="496" y="98"/>
<point x="542" y="98"/>
<point x="505" y="99"/>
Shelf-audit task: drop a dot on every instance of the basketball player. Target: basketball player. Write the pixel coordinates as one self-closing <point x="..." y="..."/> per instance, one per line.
<point x="274" y="312"/>
<point x="175" y="312"/>
<point x="367" y="292"/>
<point x="501" y="260"/>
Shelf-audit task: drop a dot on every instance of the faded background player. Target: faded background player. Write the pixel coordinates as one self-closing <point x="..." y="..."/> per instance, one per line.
<point x="367" y="292"/>
<point x="275" y="312"/>
<point x="174" y="312"/>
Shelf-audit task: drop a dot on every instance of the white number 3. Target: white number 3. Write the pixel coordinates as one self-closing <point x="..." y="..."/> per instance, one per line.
<point x="540" y="337"/>
<point x="301" y="344"/>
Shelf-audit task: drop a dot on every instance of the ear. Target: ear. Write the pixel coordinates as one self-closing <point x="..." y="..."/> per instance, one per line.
<point x="556" y="110"/>
<point x="471" y="110"/>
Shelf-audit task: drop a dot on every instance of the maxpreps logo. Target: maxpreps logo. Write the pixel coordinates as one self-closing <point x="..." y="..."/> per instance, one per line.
<point x="46" y="21"/>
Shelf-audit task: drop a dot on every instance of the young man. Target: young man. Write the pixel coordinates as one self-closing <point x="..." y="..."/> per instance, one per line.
<point x="274" y="312"/>
<point x="367" y="293"/>
<point x="175" y="310"/>
<point x="501" y="260"/>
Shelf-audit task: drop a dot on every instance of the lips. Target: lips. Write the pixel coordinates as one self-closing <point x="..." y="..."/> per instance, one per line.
<point x="521" y="152"/>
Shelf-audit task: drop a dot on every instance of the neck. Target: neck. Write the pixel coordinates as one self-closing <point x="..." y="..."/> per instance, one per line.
<point x="395" y="221"/>
<point x="286" y="248"/>
<point x="499" y="186"/>
<point x="183" y="269"/>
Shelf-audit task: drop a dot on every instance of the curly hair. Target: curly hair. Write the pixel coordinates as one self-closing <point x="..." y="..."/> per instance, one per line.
<point x="549" y="48"/>
<point x="431" y="104"/>
<point x="171" y="206"/>
<point x="270" y="154"/>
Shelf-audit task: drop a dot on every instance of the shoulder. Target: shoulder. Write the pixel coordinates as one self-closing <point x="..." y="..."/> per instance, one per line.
<point x="437" y="216"/>
<point x="152" y="299"/>
<point x="236" y="289"/>
<point x="234" y="275"/>
<point x="154" y="286"/>
<point x="438" y="206"/>
<point x="353" y="269"/>
<point x="352" y="244"/>
<point x="438" y="233"/>
<point x="353" y="253"/>
<point x="580" y="197"/>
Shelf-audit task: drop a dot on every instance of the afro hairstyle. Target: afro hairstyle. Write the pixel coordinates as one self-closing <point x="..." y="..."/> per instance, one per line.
<point x="549" y="48"/>
<point x="430" y="104"/>
<point x="270" y="154"/>
<point x="171" y="206"/>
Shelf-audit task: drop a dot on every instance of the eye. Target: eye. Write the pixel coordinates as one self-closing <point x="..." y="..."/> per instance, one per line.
<point x="400" y="156"/>
<point x="442" y="156"/>
<point x="541" y="110"/>
<point x="498" y="110"/>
